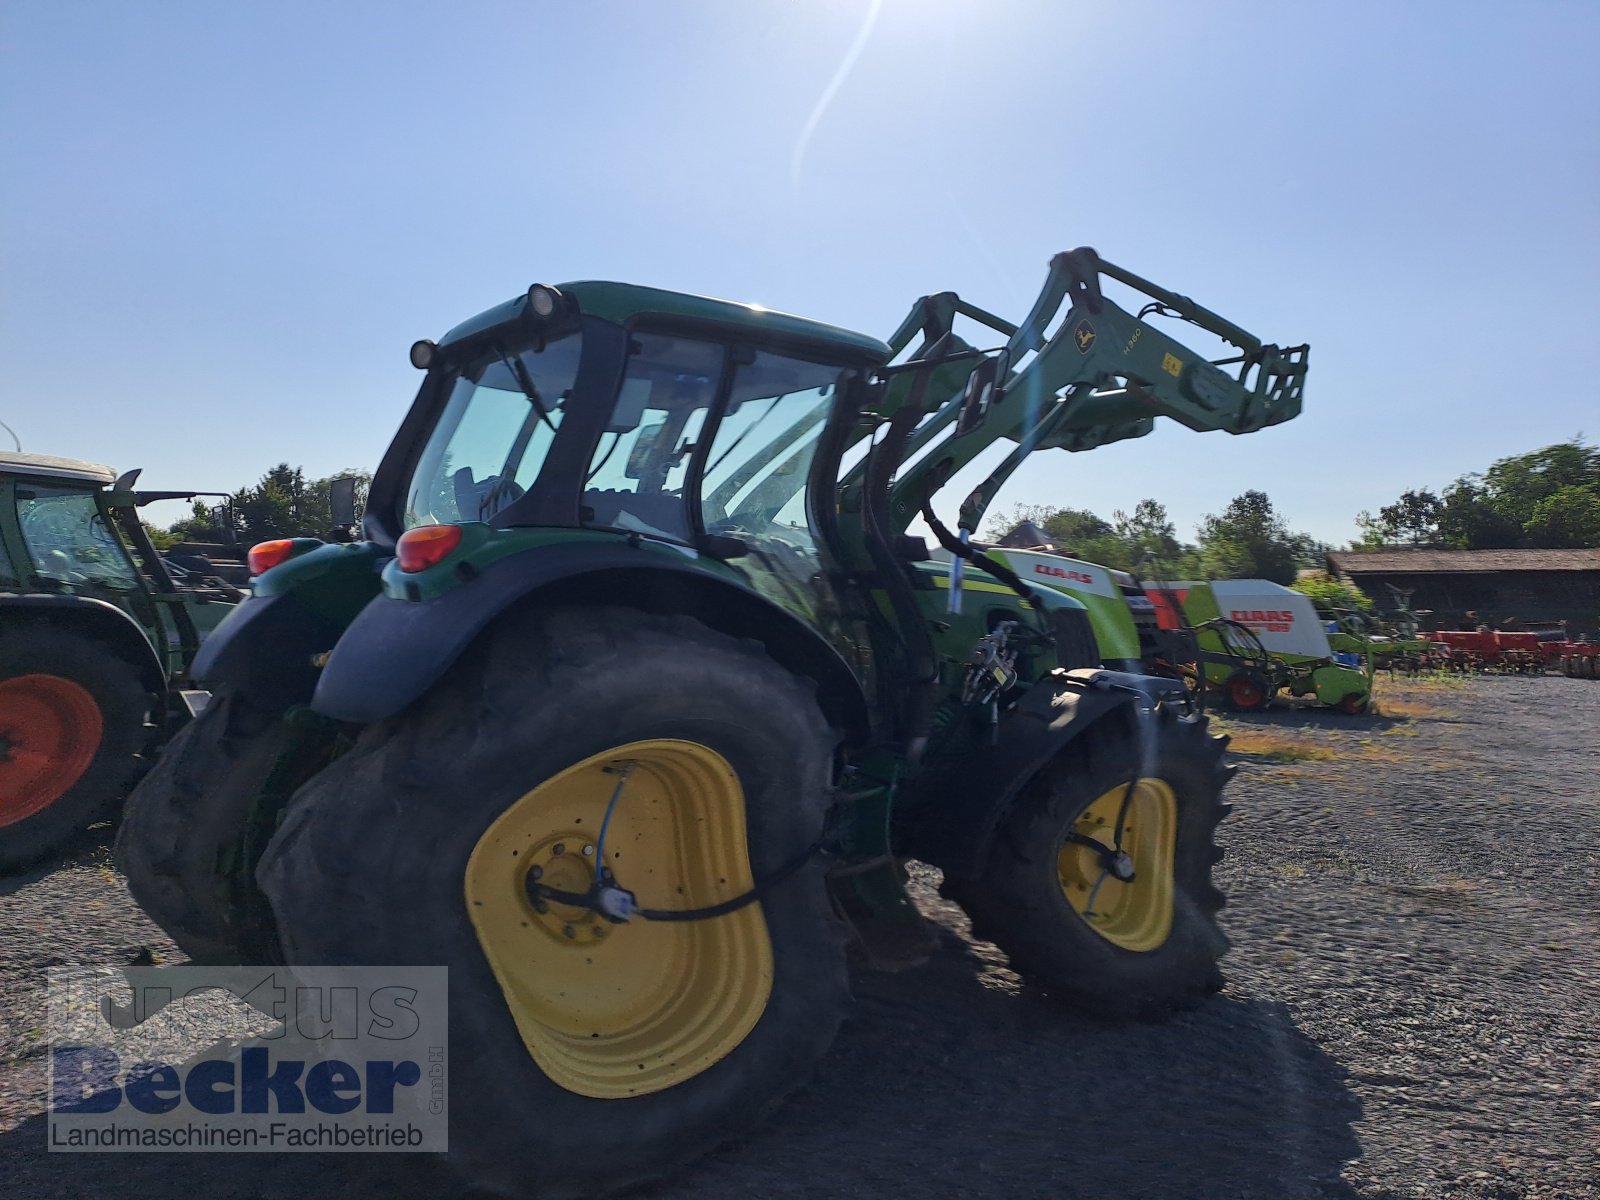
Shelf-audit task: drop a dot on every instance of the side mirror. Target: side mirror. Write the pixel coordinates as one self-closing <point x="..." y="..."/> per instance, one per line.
<point x="644" y="450"/>
<point x="983" y="393"/>
<point x="342" y="501"/>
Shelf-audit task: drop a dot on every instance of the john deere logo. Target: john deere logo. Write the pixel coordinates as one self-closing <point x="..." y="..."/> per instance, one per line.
<point x="1084" y="334"/>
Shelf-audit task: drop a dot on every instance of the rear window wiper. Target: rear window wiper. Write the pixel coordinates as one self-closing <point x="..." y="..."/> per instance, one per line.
<point x="519" y="372"/>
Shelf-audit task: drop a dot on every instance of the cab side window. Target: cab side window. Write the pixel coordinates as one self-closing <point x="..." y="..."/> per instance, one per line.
<point x="637" y="475"/>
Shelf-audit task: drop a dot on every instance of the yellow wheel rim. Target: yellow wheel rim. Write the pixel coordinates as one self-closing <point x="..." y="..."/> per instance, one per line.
<point x="621" y="1010"/>
<point x="1136" y="915"/>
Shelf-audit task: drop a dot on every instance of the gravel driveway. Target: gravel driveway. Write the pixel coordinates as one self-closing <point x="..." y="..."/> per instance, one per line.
<point x="1412" y="1007"/>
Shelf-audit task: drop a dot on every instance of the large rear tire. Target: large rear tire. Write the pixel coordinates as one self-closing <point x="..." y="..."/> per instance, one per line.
<point x="1143" y="948"/>
<point x="72" y="724"/>
<point x="181" y="841"/>
<point x="599" y="1056"/>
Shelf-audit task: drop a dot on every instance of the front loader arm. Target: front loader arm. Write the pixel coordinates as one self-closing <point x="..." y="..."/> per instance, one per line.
<point x="1104" y="375"/>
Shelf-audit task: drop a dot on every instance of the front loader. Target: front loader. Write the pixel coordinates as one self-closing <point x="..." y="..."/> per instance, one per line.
<point x="637" y="687"/>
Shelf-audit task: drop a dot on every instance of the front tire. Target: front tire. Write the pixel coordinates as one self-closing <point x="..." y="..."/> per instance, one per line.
<point x="182" y="838"/>
<point x="587" y="1076"/>
<point x="1143" y="948"/>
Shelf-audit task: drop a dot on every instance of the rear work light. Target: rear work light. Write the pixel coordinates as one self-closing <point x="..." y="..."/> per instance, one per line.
<point x="423" y="547"/>
<point x="266" y="555"/>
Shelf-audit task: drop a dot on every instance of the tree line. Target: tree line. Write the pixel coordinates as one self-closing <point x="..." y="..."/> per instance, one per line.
<point x="282" y="504"/>
<point x="1546" y="499"/>
<point x="1248" y="539"/>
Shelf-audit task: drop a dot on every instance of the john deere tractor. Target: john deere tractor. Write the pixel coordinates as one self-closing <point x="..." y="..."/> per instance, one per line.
<point x="637" y="692"/>
<point x="95" y="639"/>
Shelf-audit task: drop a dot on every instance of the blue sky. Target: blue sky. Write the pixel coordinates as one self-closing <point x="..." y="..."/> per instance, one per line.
<point x="222" y="225"/>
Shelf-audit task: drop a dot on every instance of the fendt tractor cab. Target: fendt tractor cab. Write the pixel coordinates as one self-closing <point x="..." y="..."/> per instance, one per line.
<point x="636" y="691"/>
<point x="96" y="637"/>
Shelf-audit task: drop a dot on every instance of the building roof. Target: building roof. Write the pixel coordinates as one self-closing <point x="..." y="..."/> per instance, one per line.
<point x="50" y="467"/>
<point x="1421" y="561"/>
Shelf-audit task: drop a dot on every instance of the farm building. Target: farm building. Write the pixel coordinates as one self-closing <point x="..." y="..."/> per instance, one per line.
<point x="1464" y="588"/>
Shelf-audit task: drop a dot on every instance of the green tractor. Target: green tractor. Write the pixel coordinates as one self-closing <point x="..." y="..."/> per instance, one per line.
<point x="637" y="692"/>
<point x="96" y="636"/>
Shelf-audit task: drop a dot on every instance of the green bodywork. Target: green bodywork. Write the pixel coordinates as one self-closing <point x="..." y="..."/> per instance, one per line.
<point x="1302" y="674"/>
<point x="1099" y="376"/>
<point x="1114" y="629"/>
<point x="65" y="533"/>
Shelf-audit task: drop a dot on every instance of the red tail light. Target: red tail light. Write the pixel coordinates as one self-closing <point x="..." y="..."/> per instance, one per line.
<point x="422" y="547"/>
<point x="266" y="555"/>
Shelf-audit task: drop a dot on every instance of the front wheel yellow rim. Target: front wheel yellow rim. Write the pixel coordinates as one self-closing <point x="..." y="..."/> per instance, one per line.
<point x="1136" y="915"/>
<point x="607" y="1010"/>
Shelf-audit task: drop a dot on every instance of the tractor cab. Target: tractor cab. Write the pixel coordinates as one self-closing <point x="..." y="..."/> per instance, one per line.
<point x="57" y="532"/>
<point x="626" y="410"/>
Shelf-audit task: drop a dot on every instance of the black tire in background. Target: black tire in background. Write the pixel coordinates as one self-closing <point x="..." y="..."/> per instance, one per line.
<point x="368" y="868"/>
<point x="124" y="706"/>
<point x="1018" y="903"/>
<point x="182" y="830"/>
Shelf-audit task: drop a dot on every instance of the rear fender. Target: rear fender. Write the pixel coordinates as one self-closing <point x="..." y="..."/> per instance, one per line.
<point x="97" y="619"/>
<point x="958" y="811"/>
<point x="398" y="648"/>
<point x="267" y="648"/>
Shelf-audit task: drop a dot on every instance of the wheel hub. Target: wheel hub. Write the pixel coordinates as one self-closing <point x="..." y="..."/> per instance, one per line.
<point x="564" y="862"/>
<point x="1122" y="886"/>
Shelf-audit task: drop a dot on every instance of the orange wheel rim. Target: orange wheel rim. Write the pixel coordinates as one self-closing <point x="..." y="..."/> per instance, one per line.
<point x="50" y="729"/>
<point x="1246" y="693"/>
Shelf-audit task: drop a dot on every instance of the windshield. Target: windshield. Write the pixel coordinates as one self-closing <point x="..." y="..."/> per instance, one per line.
<point x="69" y="540"/>
<point x="755" y="475"/>
<point x="492" y="437"/>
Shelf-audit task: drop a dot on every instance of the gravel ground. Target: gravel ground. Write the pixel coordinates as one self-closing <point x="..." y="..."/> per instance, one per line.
<point x="1411" y="1011"/>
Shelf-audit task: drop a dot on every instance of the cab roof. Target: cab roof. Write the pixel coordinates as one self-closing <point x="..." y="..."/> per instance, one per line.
<point x="50" y="467"/>
<point x="620" y="302"/>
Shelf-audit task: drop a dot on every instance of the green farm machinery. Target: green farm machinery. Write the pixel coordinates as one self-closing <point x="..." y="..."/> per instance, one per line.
<point x="1239" y="641"/>
<point x="636" y="693"/>
<point x="96" y="636"/>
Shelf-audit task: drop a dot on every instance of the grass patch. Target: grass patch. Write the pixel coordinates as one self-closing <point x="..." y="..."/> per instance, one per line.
<point x="1274" y="747"/>
<point x="1388" y="706"/>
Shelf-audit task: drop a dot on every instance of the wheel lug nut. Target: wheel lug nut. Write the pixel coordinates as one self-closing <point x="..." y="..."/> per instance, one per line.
<point x="535" y="872"/>
<point x="587" y="850"/>
<point x="569" y="931"/>
<point x="599" y="931"/>
<point x="559" y="849"/>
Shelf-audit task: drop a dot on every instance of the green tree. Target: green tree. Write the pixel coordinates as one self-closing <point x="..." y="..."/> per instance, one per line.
<point x="1375" y="534"/>
<point x="1538" y="499"/>
<point x="1414" y="517"/>
<point x="1516" y="485"/>
<point x="1568" y="518"/>
<point x="161" y="539"/>
<point x="1144" y="541"/>
<point x="283" y="504"/>
<point x="1333" y="597"/>
<point x="1469" y="519"/>
<point x="1248" y="539"/>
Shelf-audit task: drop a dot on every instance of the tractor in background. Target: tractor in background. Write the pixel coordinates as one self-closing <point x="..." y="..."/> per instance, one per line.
<point x="96" y="637"/>
<point x="637" y="686"/>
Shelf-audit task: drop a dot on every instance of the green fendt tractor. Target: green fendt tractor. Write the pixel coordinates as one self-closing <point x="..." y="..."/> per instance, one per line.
<point x="637" y="692"/>
<point x="95" y="640"/>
